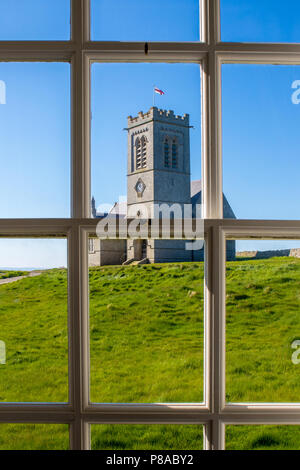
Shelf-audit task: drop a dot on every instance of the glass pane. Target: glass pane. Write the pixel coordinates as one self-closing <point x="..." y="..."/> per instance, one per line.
<point x="35" y="140"/>
<point x="34" y="20"/>
<point x="119" y="92"/>
<point x="146" y="437"/>
<point x="33" y="318"/>
<point x="34" y="437"/>
<point x="262" y="322"/>
<point x="141" y="20"/>
<point x="148" y="162"/>
<point x="260" y="21"/>
<point x="261" y="140"/>
<point x="146" y="326"/>
<point x="263" y="437"/>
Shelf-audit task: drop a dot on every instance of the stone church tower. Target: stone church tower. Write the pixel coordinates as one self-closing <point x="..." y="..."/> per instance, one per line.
<point x="158" y="173"/>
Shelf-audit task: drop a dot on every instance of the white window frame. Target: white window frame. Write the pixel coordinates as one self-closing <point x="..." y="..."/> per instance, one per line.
<point x="210" y="53"/>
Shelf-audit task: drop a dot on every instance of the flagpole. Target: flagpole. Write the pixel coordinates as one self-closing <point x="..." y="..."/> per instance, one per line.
<point x="153" y="96"/>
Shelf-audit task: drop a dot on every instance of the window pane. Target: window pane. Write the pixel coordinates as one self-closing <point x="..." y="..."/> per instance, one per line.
<point x="260" y="21"/>
<point x="119" y="92"/>
<point x="261" y="140"/>
<point x="146" y="327"/>
<point x="263" y="437"/>
<point x="147" y="437"/>
<point x="147" y="162"/>
<point x="34" y="20"/>
<point x="262" y="322"/>
<point x="34" y="437"/>
<point x="141" y="20"/>
<point x="33" y="318"/>
<point x="35" y="140"/>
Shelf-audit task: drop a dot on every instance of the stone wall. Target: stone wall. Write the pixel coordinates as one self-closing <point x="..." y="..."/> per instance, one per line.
<point x="107" y="252"/>
<point x="294" y="252"/>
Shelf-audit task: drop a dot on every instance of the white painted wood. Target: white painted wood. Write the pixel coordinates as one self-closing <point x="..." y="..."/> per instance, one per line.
<point x="210" y="54"/>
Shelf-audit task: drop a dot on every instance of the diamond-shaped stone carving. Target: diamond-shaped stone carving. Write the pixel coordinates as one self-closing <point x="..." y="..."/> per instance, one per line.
<point x="140" y="187"/>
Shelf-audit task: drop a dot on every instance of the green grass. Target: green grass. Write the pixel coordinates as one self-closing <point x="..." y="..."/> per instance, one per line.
<point x="150" y="437"/>
<point x="146" y="340"/>
<point x="33" y="319"/>
<point x="146" y="328"/>
<point x="263" y="319"/>
<point x="263" y="437"/>
<point x="9" y="274"/>
<point x="34" y="437"/>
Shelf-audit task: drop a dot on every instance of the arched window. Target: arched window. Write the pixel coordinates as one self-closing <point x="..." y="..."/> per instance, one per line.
<point x="144" y="151"/>
<point x="138" y="154"/>
<point x="167" y="153"/>
<point x="174" y="154"/>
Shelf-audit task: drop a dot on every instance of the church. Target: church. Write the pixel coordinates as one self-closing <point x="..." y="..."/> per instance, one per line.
<point x="158" y="173"/>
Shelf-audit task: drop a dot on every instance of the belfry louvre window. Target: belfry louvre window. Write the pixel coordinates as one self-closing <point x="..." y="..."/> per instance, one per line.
<point x="230" y="397"/>
<point x="144" y="151"/>
<point x="174" y="154"/>
<point x="141" y="153"/>
<point x="138" y="158"/>
<point x="166" y="153"/>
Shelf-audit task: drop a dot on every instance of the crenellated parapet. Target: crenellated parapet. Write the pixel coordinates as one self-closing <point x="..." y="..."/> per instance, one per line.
<point x="156" y="114"/>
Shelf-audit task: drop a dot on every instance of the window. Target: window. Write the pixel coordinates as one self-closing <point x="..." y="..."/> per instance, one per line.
<point x="95" y="39"/>
<point x="263" y="437"/>
<point x="120" y="21"/>
<point x="34" y="20"/>
<point x="259" y="21"/>
<point x="34" y="436"/>
<point x="138" y="155"/>
<point x="144" y="152"/>
<point x="35" y="142"/>
<point x="173" y="161"/>
<point x="33" y="276"/>
<point x="138" y="335"/>
<point x="146" y="437"/>
<point x="255" y="133"/>
<point x="141" y="153"/>
<point x="167" y="153"/>
<point x="174" y="154"/>
<point x="261" y="296"/>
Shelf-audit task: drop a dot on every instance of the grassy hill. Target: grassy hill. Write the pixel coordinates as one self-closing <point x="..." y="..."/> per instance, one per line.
<point x="146" y="325"/>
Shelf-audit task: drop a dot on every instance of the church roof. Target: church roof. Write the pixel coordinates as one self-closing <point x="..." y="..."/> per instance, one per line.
<point x="196" y="198"/>
<point x="196" y="187"/>
<point x="119" y="208"/>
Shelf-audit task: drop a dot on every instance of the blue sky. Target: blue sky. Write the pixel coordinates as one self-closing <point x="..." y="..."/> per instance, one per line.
<point x="33" y="253"/>
<point x="260" y="20"/>
<point x="260" y="122"/>
<point x="35" y="140"/>
<point x="261" y="141"/>
<point x="34" y="20"/>
<point x="144" y="20"/>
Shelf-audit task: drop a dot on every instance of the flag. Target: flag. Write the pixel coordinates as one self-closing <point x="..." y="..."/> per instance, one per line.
<point x="158" y="91"/>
